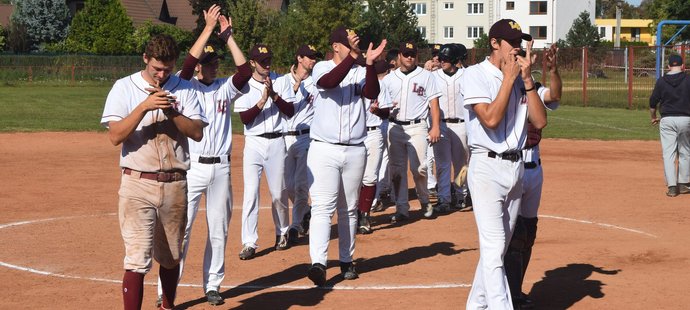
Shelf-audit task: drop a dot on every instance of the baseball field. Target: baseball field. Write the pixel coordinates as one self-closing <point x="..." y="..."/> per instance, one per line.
<point x="608" y="238"/>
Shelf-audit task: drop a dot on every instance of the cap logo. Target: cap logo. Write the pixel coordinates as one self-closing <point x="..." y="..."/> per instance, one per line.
<point x="311" y="48"/>
<point x="437" y="46"/>
<point x="515" y="26"/>
<point x="208" y="49"/>
<point x="263" y="50"/>
<point x="409" y="45"/>
<point x="350" y="32"/>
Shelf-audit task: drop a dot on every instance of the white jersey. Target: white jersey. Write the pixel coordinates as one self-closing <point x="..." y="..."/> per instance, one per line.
<point x="480" y="84"/>
<point x="303" y="101"/>
<point x="412" y="92"/>
<point x="215" y="100"/>
<point x="451" y="101"/>
<point x="339" y="113"/>
<point x="269" y="119"/>
<point x="125" y="96"/>
<point x="374" y="120"/>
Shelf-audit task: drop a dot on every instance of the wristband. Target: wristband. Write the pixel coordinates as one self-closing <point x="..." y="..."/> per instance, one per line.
<point x="530" y="89"/>
<point x="225" y="35"/>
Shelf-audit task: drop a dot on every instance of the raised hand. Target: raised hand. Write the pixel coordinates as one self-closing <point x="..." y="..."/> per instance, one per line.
<point x="353" y="39"/>
<point x="157" y="99"/>
<point x="225" y="28"/>
<point x="551" y="56"/>
<point x="510" y="67"/>
<point x="373" y="54"/>
<point x="211" y="16"/>
<point x="526" y="62"/>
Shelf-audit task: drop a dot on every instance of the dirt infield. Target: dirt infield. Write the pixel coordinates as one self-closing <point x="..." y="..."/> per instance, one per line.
<point x="608" y="238"/>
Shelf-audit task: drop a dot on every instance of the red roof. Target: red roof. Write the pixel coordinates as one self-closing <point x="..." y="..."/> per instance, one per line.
<point x="5" y="13"/>
<point x="141" y="11"/>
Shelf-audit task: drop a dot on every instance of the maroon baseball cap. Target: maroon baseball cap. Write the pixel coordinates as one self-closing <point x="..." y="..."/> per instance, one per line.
<point x="309" y="51"/>
<point x="408" y="47"/>
<point x="208" y="55"/>
<point x="261" y="54"/>
<point x="435" y="49"/>
<point x="508" y="29"/>
<point x="339" y="35"/>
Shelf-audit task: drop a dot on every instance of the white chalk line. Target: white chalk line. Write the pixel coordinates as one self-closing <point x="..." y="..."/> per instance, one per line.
<point x="287" y="287"/>
<point x="592" y="124"/>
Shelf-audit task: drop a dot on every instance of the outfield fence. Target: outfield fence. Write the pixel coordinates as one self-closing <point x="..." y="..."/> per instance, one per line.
<point x="599" y="77"/>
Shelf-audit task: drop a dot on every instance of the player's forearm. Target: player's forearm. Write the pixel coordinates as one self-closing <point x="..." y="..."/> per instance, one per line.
<point x="490" y="115"/>
<point x="191" y="128"/>
<point x="652" y="112"/>
<point x="198" y="48"/>
<point x="333" y="78"/>
<point x="371" y="83"/>
<point x="383" y="113"/>
<point x="536" y="112"/>
<point x="248" y="116"/>
<point x="286" y="107"/>
<point x="241" y="78"/>
<point x="236" y="52"/>
<point x="119" y="131"/>
<point x="555" y="86"/>
<point x="188" y="67"/>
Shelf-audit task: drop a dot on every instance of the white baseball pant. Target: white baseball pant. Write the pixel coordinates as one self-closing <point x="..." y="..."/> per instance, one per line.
<point x="408" y="141"/>
<point x="374" y="146"/>
<point x="214" y="181"/>
<point x="335" y="178"/>
<point x="384" y="183"/>
<point x="263" y="154"/>
<point x="296" y="176"/>
<point x="532" y="183"/>
<point x="496" y="188"/>
<point x="451" y="149"/>
<point x="431" y="179"/>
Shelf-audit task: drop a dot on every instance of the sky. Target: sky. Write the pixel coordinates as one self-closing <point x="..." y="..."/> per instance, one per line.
<point x="633" y="2"/>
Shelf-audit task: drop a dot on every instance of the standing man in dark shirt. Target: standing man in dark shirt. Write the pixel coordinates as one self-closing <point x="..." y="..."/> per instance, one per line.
<point x="672" y="94"/>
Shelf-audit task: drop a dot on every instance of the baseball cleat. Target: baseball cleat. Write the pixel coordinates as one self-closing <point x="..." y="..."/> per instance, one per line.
<point x="347" y="270"/>
<point x="428" y="210"/>
<point x="398" y="218"/>
<point x="317" y="274"/>
<point x="672" y="191"/>
<point x="683" y="188"/>
<point x="282" y="242"/>
<point x="293" y="236"/>
<point x="442" y="207"/>
<point x="364" y="224"/>
<point x="214" y="298"/>
<point x="305" y="222"/>
<point x="247" y="252"/>
<point x="159" y="302"/>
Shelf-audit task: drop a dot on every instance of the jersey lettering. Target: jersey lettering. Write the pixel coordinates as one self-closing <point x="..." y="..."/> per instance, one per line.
<point x="222" y="106"/>
<point x="418" y="89"/>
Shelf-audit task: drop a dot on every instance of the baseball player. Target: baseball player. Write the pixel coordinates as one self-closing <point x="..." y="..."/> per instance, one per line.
<point x="210" y="158"/>
<point x="377" y="110"/>
<point x="261" y="110"/>
<point x="671" y="95"/>
<point x="433" y="64"/>
<point x="298" y="87"/>
<point x="500" y="96"/>
<point x="414" y="95"/>
<point x="337" y="155"/>
<point x="520" y="248"/>
<point x="452" y="147"/>
<point x="152" y="113"/>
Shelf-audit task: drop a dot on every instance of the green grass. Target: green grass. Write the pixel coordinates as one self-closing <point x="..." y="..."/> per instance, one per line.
<point x="51" y="107"/>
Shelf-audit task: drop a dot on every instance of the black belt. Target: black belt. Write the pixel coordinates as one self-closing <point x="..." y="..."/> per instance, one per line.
<point x="415" y="121"/>
<point x="271" y="135"/>
<point x="297" y="132"/>
<point x="210" y="160"/>
<point x="453" y="120"/>
<point x="505" y="156"/>
<point x="532" y="165"/>
<point x="162" y="176"/>
<point x="343" y="144"/>
<point x="372" y="128"/>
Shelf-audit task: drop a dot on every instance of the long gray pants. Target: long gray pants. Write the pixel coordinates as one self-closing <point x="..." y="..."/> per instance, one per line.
<point x="675" y="140"/>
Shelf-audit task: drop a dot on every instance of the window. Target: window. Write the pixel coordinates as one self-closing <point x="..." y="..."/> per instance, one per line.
<point x="635" y="34"/>
<point x="538" y="32"/>
<point x="537" y="7"/>
<point x="418" y="8"/>
<point x="422" y="31"/>
<point x="447" y="32"/>
<point x="510" y="5"/>
<point x="448" y="5"/>
<point x="474" y="32"/>
<point x="602" y="32"/>
<point x="475" y="8"/>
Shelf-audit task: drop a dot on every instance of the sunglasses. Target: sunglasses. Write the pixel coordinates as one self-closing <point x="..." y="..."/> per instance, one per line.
<point x="409" y="55"/>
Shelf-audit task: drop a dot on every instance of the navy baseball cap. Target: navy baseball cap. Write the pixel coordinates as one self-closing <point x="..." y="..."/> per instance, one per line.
<point x="675" y="61"/>
<point x="339" y="35"/>
<point x="309" y="51"/>
<point x="435" y="49"/>
<point x="261" y="54"/>
<point x="508" y="29"/>
<point x="408" y="47"/>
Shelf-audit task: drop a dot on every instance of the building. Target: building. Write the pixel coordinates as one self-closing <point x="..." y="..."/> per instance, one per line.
<point x="5" y="13"/>
<point x="462" y="21"/>
<point x="632" y="30"/>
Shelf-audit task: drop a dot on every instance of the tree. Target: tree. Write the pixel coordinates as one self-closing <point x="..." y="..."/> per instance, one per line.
<point x="482" y="41"/>
<point x="582" y="33"/>
<point x="253" y="21"/>
<point x="17" y="38"/>
<point x="390" y="19"/>
<point x="102" y="27"/>
<point x="3" y="38"/>
<point x="668" y="10"/>
<point x="46" y="21"/>
<point x="607" y="9"/>
<point x="310" y="22"/>
<point x="143" y="34"/>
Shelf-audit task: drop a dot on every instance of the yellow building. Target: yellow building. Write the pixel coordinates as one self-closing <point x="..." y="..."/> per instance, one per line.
<point x="635" y="30"/>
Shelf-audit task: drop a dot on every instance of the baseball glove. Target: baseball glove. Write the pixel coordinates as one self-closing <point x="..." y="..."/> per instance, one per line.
<point x="462" y="177"/>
